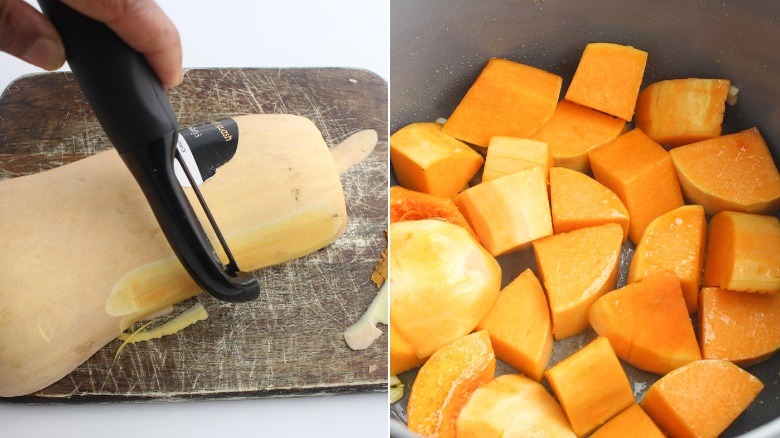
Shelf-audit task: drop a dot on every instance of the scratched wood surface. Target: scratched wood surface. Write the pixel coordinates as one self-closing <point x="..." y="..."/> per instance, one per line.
<point x="287" y="343"/>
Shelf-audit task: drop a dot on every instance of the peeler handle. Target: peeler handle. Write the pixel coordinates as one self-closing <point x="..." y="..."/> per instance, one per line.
<point x="136" y="114"/>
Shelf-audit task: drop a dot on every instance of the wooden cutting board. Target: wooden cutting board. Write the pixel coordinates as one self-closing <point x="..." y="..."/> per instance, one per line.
<point x="290" y="341"/>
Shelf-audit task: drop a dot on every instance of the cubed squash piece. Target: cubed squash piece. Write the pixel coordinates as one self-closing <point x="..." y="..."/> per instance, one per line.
<point x="512" y="406"/>
<point x="575" y="130"/>
<point x="579" y="201"/>
<point x="700" y="399"/>
<point x="647" y="324"/>
<point x="423" y="256"/>
<point x="633" y="422"/>
<point x="608" y="78"/>
<point x="509" y="212"/>
<point x="743" y="252"/>
<point x="591" y="386"/>
<point x="673" y="241"/>
<point x="675" y="112"/>
<point x="519" y="326"/>
<point x="739" y="327"/>
<point x="429" y="161"/>
<point x="506" y="155"/>
<point x="402" y="357"/>
<point x="576" y="269"/>
<point x="507" y="98"/>
<point x="446" y="381"/>
<point x="641" y="173"/>
<point x="409" y="205"/>
<point x="731" y="172"/>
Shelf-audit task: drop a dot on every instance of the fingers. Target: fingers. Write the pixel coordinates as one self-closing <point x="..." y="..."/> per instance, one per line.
<point x="30" y="36"/>
<point x="145" y="27"/>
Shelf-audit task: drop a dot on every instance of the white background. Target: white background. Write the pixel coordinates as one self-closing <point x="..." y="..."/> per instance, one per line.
<point x="236" y="33"/>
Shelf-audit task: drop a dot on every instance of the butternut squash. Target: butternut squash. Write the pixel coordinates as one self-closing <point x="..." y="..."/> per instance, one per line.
<point x="446" y="382"/>
<point x="700" y="399"/>
<point x="512" y="405"/>
<point x="428" y="160"/>
<point x="519" y="326"/>
<point x="633" y="422"/>
<point x="743" y="252"/>
<point x="507" y="98"/>
<point x="641" y="173"/>
<point x="591" y="386"/>
<point x="673" y="241"/>
<point x="442" y="283"/>
<point x="409" y="205"/>
<point x="575" y="130"/>
<point x="732" y="172"/>
<point x="675" y="112"/>
<point x="647" y="324"/>
<point x="506" y="155"/>
<point x="608" y="78"/>
<point x="87" y="228"/>
<point x="576" y="269"/>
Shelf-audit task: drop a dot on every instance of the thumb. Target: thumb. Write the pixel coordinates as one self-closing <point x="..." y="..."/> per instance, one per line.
<point x="28" y="35"/>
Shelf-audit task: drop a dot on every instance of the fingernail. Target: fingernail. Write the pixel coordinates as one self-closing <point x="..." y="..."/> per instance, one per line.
<point x="46" y="54"/>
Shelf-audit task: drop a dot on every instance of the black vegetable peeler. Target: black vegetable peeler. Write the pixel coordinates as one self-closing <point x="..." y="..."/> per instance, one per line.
<point x="134" y="111"/>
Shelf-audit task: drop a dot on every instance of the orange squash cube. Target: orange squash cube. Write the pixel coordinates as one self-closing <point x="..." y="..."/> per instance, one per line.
<point x="507" y="98"/>
<point x="506" y="155"/>
<point x="739" y="327"/>
<point x="732" y="172"/>
<point x="700" y="399"/>
<point x="608" y="78"/>
<point x="641" y="173"/>
<point x="575" y="130"/>
<point x="591" y="386"/>
<point x="446" y="382"/>
<point x="579" y="201"/>
<point x="673" y="241"/>
<point x="509" y="212"/>
<point x="633" y="422"/>
<point x="519" y="326"/>
<point x="743" y="252"/>
<point x="675" y="112"/>
<point x="402" y="357"/>
<point x="647" y="324"/>
<point x="429" y="161"/>
<point x="512" y="406"/>
<point x="576" y="269"/>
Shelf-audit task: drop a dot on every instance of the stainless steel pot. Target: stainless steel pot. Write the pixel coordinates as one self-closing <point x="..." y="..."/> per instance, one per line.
<point x="438" y="47"/>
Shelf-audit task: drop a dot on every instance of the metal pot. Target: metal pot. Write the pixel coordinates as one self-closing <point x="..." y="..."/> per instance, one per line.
<point x="438" y="47"/>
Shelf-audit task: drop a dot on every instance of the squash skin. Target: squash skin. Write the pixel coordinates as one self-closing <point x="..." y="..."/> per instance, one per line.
<point x="75" y="231"/>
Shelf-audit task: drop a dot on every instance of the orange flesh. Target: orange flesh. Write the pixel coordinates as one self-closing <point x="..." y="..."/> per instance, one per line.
<point x="576" y="269"/>
<point x="402" y="357"/>
<point x="429" y="161"/>
<point x="732" y="172"/>
<point x="633" y="422"/>
<point x="579" y="201"/>
<point x="519" y="326"/>
<point x="506" y="155"/>
<point x="575" y="130"/>
<point x="681" y="111"/>
<point x="608" y="78"/>
<point x="739" y="327"/>
<point x="641" y="173"/>
<point x="647" y="324"/>
<point x="508" y="99"/>
<point x="445" y="383"/>
<point x="700" y="399"/>
<point x="504" y="217"/>
<point x="409" y="205"/>
<point x="674" y="241"/>
<point x="591" y="386"/>
<point x="743" y="253"/>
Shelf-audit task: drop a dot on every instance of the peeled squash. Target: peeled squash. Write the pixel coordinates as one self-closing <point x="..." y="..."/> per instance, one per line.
<point x="82" y="257"/>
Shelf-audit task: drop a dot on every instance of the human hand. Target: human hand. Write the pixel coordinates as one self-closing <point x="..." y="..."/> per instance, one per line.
<point x="30" y="36"/>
